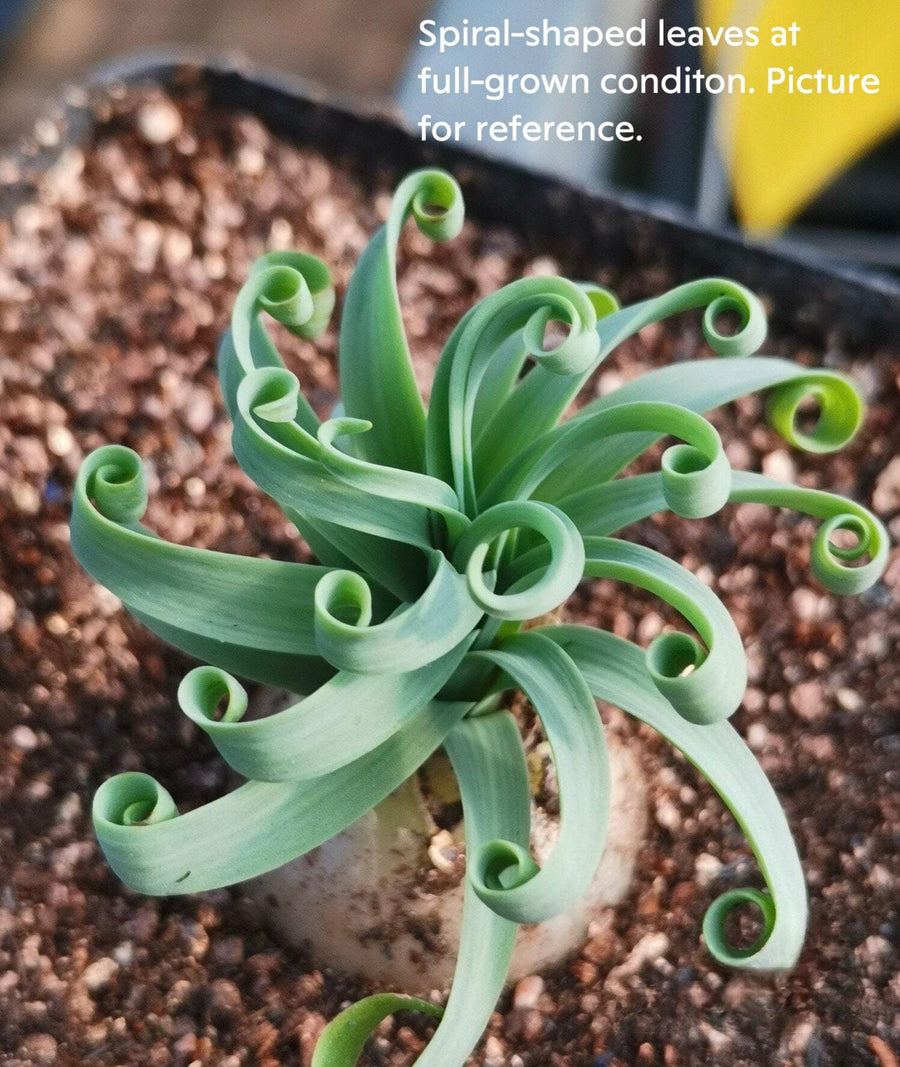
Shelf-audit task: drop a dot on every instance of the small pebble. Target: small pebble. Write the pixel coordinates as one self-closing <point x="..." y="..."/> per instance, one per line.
<point x="199" y="411"/>
<point x="528" y="991"/>
<point x="849" y="699"/>
<point x="69" y="808"/>
<point x="602" y="946"/>
<point x="250" y="160"/>
<point x="40" y="1048"/>
<point x="123" y="953"/>
<point x="7" y="611"/>
<point x="757" y="735"/>
<point x="194" y="487"/>
<point x="224" y="998"/>
<point x="717" y="1041"/>
<point x="808" y="700"/>
<point x="668" y="816"/>
<point x="533" y="1026"/>
<point x="882" y="1052"/>
<point x="808" y="605"/>
<point x="177" y="248"/>
<point x="886" y="497"/>
<point x="99" y="974"/>
<point x="443" y="851"/>
<point x="874" y="948"/>
<point x="159" y="121"/>
<point x="23" y="738"/>
<point x="800" y="1037"/>
<point x="185" y="1047"/>
<point x="60" y="441"/>
<point x="493" y="1052"/>
<point x="26" y="498"/>
<point x="649" y="949"/>
<point x="706" y="868"/>
<point x="780" y="466"/>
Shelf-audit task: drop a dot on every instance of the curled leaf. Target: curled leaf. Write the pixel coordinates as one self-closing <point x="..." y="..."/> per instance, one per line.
<point x="616" y="672"/>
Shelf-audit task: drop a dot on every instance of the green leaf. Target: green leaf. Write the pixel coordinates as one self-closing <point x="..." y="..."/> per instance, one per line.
<point x="541" y="397"/>
<point x="342" y="1041"/>
<point x="559" y="576"/>
<point x="489" y="762"/>
<point x="611" y="506"/>
<point x="259" y="826"/>
<point x="284" y="670"/>
<point x="703" y="684"/>
<point x="829" y="562"/>
<point x="414" y="636"/>
<point x="704" y="384"/>
<point x="616" y="672"/>
<point x="526" y="305"/>
<point x="377" y="380"/>
<point x="337" y="724"/>
<point x="696" y="475"/>
<point x="260" y="604"/>
<point x="503" y="873"/>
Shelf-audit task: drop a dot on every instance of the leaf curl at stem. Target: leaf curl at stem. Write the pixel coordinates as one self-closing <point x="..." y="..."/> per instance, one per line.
<point x="247" y="346"/>
<point x="285" y="461"/>
<point x="408" y="487"/>
<point x="559" y="577"/>
<point x="333" y="546"/>
<point x="260" y="825"/>
<point x="616" y="671"/>
<point x="503" y="874"/>
<point x="696" y="475"/>
<point x="415" y="635"/>
<point x="262" y="606"/>
<point x="703" y="685"/>
<point x="340" y="722"/>
<point x="704" y="384"/>
<point x="376" y="375"/>
<point x="503" y="371"/>
<point x="295" y="289"/>
<point x="540" y="398"/>
<point x="611" y="506"/>
<point x="526" y="305"/>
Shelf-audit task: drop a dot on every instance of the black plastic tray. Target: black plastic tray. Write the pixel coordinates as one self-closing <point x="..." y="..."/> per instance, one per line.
<point x="810" y="303"/>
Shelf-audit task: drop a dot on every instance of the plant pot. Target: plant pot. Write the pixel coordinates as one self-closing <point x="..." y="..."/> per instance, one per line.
<point x="126" y="979"/>
<point x="384" y="898"/>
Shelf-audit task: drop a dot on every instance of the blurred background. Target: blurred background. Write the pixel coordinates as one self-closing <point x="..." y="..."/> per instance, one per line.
<point x="818" y="171"/>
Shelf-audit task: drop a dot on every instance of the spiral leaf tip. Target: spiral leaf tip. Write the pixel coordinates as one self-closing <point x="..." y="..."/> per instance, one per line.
<point x="208" y="694"/>
<point x="132" y="799"/>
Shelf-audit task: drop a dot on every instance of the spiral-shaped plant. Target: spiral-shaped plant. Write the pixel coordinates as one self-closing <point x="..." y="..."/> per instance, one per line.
<point x="437" y="537"/>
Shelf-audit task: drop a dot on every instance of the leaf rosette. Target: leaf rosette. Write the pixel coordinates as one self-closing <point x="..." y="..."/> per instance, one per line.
<point x="438" y="534"/>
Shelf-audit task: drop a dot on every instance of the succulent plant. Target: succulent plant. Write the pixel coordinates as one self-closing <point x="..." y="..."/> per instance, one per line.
<point x="438" y="536"/>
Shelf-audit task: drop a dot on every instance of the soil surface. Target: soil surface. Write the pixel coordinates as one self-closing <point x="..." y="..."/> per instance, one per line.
<point x="117" y="275"/>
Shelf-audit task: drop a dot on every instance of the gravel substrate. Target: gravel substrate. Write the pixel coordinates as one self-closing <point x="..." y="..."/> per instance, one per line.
<point x="117" y="274"/>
